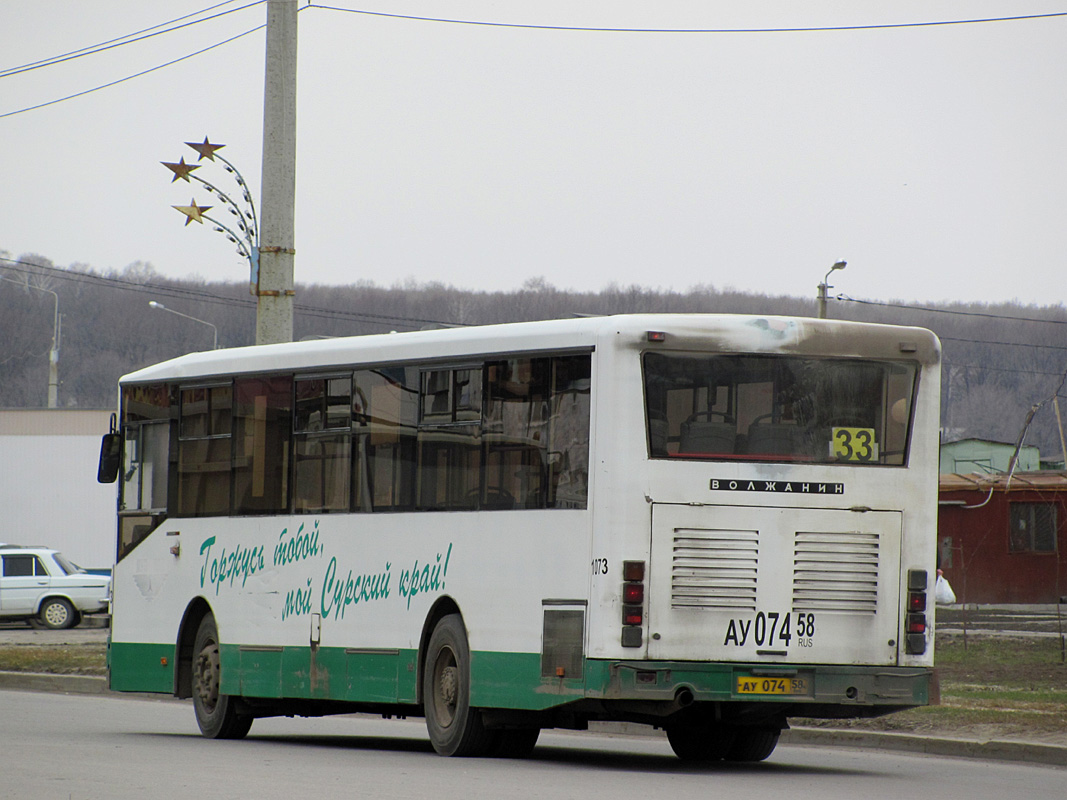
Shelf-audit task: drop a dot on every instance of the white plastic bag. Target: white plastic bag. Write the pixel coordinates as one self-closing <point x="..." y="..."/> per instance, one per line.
<point x="943" y="594"/>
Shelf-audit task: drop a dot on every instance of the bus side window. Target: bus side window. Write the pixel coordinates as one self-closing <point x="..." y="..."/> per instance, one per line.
<point x="262" y="424"/>
<point x="449" y="439"/>
<point x="515" y="436"/>
<point x="385" y="418"/>
<point x="568" y="432"/>
<point x="322" y="441"/>
<point x="204" y="450"/>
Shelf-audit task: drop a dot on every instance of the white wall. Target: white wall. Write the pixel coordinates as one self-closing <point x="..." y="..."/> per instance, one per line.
<point x="48" y="490"/>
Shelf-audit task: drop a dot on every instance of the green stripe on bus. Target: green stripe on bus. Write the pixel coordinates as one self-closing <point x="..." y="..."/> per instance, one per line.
<point x="134" y="667"/>
<point x="498" y="680"/>
<point x="328" y="673"/>
<point x="513" y="680"/>
<point x="357" y="675"/>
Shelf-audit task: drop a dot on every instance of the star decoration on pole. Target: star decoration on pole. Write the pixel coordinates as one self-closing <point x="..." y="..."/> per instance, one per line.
<point x="242" y="231"/>
<point x="180" y="170"/>
<point x="192" y="211"/>
<point x="206" y="150"/>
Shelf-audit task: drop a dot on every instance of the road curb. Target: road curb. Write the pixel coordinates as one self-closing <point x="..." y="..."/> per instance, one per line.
<point x="993" y="750"/>
<point x="47" y="682"/>
<point x="996" y="749"/>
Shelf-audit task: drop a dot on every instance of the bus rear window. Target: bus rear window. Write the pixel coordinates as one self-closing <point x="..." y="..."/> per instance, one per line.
<point x="778" y="408"/>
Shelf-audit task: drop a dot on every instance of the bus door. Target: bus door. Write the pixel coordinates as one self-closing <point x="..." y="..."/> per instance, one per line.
<point x="765" y="584"/>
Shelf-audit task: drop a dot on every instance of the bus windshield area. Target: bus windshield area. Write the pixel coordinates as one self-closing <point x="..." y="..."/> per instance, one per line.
<point x="778" y="408"/>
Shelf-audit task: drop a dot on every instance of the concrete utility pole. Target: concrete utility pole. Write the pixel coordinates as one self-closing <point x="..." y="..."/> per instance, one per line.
<point x="274" y="302"/>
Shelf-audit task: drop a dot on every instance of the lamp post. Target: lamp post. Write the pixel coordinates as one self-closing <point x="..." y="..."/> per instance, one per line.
<point x="215" y="331"/>
<point x="826" y="285"/>
<point x="53" y="354"/>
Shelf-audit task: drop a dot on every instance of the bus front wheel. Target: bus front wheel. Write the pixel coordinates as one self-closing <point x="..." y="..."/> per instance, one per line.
<point x="216" y="713"/>
<point x="455" y="728"/>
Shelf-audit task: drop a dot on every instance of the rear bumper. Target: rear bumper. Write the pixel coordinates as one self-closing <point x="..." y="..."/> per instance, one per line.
<point x="809" y="690"/>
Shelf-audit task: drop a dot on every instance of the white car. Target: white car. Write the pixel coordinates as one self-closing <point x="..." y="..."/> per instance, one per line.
<point x="39" y="584"/>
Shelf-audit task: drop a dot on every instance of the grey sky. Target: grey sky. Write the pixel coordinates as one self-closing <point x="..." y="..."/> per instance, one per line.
<point x="931" y="158"/>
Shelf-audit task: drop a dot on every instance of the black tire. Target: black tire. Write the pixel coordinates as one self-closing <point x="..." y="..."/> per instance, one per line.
<point x="455" y="728"/>
<point x="216" y="713"/>
<point x="700" y="744"/>
<point x="753" y="744"/>
<point x="57" y="614"/>
<point x="516" y="742"/>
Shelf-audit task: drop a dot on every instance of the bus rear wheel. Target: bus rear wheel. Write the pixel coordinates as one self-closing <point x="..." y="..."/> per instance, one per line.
<point x="455" y="728"/>
<point x="701" y="743"/>
<point x="753" y="744"/>
<point x="515" y="742"/>
<point x="216" y="713"/>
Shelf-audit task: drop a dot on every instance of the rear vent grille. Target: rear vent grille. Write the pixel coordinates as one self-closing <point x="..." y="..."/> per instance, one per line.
<point x="714" y="569"/>
<point x="835" y="572"/>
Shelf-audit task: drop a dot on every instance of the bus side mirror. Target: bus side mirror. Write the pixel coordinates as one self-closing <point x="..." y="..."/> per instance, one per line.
<point x="110" y="458"/>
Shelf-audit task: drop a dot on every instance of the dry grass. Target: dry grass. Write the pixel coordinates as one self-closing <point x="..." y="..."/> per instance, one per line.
<point x="69" y="659"/>
<point x="995" y="688"/>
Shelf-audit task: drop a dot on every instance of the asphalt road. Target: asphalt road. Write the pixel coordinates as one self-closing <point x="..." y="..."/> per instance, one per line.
<point x="78" y="747"/>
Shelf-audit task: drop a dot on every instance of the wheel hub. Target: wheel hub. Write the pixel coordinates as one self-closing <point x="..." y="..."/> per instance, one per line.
<point x="207" y="676"/>
<point x="448" y="686"/>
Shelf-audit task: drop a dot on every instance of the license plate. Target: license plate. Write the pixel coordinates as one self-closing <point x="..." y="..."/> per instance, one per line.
<point x="747" y="684"/>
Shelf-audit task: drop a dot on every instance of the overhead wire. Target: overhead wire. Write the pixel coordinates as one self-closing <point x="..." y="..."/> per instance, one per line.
<point x="27" y="268"/>
<point x="1004" y="344"/>
<point x="846" y="299"/>
<point x="123" y="284"/>
<point x="601" y="29"/>
<point x="131" y="77"/>
<point x="137" y="36"/>
<point x="984" y="368"/>
<point x="129" y="38"/>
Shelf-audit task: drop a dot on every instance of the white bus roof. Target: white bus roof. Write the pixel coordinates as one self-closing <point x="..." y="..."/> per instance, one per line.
<point x="725" y="332"/>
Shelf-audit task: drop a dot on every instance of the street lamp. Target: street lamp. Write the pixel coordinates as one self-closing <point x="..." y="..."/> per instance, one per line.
<point x="53" y="354"/>
<point x="826" y="285"/>
<point x="161" y="307"/>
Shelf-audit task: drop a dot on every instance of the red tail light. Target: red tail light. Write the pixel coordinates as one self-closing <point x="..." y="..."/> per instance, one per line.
<point x="915" y="613"/>
<point x="633" y="593"/>
<point x="633" y="570"/>
<point x="633" y="603"/>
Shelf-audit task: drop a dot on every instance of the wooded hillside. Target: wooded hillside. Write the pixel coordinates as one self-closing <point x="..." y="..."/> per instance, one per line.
<point x="999" y="360"/>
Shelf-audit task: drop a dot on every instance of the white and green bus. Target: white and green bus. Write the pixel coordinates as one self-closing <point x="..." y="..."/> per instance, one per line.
<point x="706" y="523"/>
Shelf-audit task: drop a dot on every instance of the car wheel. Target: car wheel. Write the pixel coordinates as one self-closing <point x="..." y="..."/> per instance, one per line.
<point x="56" y="613"/>
<point x="216" y="713"/>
